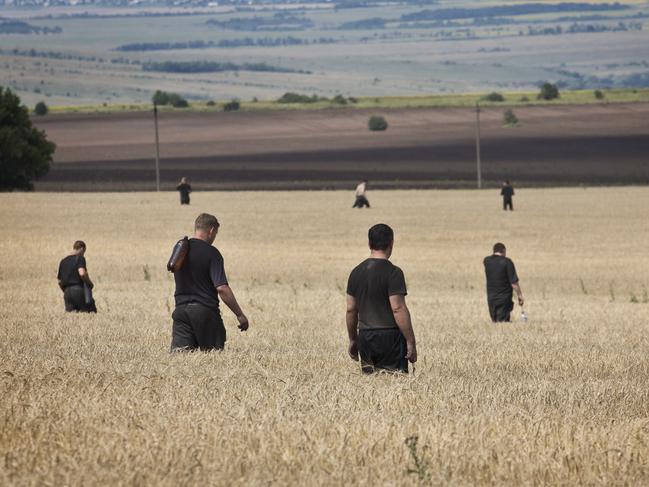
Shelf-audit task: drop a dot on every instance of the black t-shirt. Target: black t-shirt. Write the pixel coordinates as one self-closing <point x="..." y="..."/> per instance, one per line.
<point x="372" y="283"/>
<point x="202" y="271"/>
<point x="69" y="270"/>
<point x="184" y="189"/>
<point x="501" y="274"/>
<point x="507" y="192"/>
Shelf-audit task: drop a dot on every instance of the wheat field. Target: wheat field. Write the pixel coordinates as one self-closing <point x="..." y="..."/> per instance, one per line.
<point x="98" y="399"/>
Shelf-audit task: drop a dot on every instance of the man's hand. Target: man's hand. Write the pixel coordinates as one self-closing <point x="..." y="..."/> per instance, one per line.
<point x="521" y="301"/>
<point x="353" y="350"/>
<point x="411" y="354"/>
<point x="243" y="322"/>
<point x="227" y="296"/>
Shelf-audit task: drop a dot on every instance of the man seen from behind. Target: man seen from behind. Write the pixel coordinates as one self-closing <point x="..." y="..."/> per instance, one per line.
<point x="72" y="276"/>
<point x="184" y="188"/>
<point x="200" y="282"/>
<point x="502" y="280"/>
<point x="507" y="192"/>
<point x="378" y="320"/>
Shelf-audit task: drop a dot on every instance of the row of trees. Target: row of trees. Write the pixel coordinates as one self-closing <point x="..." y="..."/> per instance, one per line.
<point x="224" y="43"/>
<point x="510" y="10"/>
<point x="9" y="26"/>
<point x="279" y="21"/>
<point x="214" y="67"/>
<point x="548" y="92"/>
<point x="290" y="97"/>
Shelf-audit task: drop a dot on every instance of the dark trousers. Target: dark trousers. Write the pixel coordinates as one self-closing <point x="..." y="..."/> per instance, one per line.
<point x="382" y="350"/>
<point x="507" y="202"/>
<point x="501" y="310"/>
<point x="197" y="327"/>
<point x="360" y="202"/>
<point x="184" y="199"/>
<point x="74" y="298"/>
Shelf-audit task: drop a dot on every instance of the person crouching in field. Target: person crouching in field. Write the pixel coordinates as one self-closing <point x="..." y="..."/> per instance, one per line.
<point x="72" y="276"/>
<point x="378" y="320"/>
<point x="361" y="199"/>
<point x="200" y="282"/>
<point x="501" y="280"/>
<point x="184" y="188"/>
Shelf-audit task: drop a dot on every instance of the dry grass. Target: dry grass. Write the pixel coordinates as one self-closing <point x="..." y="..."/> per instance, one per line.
<point x="99" y="400"/>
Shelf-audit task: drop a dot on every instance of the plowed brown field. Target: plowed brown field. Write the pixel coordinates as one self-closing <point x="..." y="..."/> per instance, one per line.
<point x="556" y="145"/>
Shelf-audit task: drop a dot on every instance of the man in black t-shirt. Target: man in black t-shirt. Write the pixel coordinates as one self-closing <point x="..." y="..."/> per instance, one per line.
<point x="507" y="192"/>
<point x="184" y="188"/>
<point x="200" y="282"/>
<point x="378" y="321"/>
<point x="72" y="277"/>
<point x="502" y="280"/>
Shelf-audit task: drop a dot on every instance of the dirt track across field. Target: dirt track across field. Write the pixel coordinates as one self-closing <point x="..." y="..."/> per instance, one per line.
<point x="553" y="146"/>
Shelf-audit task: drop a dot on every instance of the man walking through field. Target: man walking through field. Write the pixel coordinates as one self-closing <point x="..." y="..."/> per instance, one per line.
<point x="378" y="321"/>
<point x="73" y="277"/>
<point x="184" y="188"/>
<point x="200" y="282"/>
<point x="502" y="280"/>
<point x="507" y="192"/>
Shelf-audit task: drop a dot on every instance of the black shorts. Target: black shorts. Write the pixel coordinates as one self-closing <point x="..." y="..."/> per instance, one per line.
<point x="500" y="311"/>
<point x="383" y="349"/>
<point x="75" y="300"/>
<point x="197" y="327"/>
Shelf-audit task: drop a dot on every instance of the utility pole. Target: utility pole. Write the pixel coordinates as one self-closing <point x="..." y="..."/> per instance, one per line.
<point x="157" y="148"/>
<point x="477" y="143"/>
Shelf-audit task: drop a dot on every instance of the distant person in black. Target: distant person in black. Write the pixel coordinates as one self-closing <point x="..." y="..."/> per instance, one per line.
<point x="378" y="320"/>
<point x="507" y="192"/>
<point x="501" y="281"/>
<point x="197" y="322"/>
<point x="184" y="188"/>
<point x="72" y="276"/>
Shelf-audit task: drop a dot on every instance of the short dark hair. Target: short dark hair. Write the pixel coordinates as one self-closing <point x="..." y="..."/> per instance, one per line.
<point x="380" y="236"/>
<point x="499" y="248"/>
<point x="79" y="244"/>
<point x="206" y="222"/>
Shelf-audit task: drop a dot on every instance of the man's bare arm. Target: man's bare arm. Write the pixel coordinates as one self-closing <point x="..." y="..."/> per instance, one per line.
<point x="351" y="318"/>
<point x="402" y="317"/>
<point x="227" y="296"/>
<point x="83" y="274"/>
<point x="516" y="286"/>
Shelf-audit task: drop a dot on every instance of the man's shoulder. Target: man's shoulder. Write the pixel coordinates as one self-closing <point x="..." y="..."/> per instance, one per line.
<point x="69" y="258"/>
<point x="360" y="267"/>
<point x="216" y="253"/>
<point x="203" y="246"/>
<point x="496" y="260"/>
<point x="201" y="252"/>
